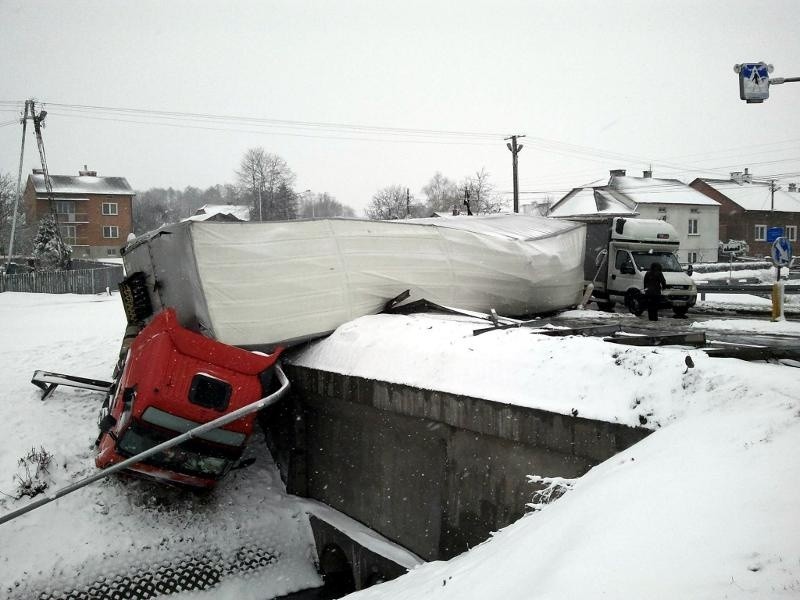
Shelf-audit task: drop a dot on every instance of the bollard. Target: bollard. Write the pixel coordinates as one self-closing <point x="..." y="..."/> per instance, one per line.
<point x="777" y="301"/>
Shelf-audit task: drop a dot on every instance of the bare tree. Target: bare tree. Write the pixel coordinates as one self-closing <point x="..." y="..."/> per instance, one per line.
<point x="483" y="198"/>
<point x="441" y="194"/>
<point x="321" y="206"/>
<point x="392" y="203"/>
<point x="267" y="180"/>
<point x="8" y="194"/>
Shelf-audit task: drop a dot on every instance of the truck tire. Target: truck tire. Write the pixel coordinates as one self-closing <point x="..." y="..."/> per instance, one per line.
<point x="634" y="302"/>
<point x="606" y="306"/>
<point x="680" y="311"/>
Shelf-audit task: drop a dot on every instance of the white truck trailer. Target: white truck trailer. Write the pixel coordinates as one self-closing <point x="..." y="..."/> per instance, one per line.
<point x="619" y="252"/>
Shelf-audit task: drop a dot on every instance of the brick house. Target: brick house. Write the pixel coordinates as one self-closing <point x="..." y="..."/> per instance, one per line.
<point x="748" y="208"/>
<point x="695" y="216"/>
<point x="95" y="214"/>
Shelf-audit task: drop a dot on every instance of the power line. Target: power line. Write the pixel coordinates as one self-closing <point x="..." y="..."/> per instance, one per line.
<point x="171" y="115"/>
<point x="262" y="132"/>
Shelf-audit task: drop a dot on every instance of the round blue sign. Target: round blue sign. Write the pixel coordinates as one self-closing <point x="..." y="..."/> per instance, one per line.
<point x="781" y="252"/>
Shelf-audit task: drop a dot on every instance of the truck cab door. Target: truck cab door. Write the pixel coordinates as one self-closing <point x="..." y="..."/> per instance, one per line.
<point x="623" y="274"/>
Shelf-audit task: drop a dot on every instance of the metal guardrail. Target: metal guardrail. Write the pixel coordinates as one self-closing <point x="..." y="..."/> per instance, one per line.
<point x="744" y="288"/>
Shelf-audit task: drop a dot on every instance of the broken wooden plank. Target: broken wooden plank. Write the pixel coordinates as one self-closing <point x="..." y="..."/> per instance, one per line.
<point x="696" y="339"/>
<point x="590" y="330"/>
<point x="751" y="353"/>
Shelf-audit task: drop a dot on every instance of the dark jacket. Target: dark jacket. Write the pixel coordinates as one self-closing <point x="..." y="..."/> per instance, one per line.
<point x="654" y="282"/>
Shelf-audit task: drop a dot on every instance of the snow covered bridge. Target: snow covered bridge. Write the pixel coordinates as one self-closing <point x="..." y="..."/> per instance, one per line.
<point x="433" y="470"/>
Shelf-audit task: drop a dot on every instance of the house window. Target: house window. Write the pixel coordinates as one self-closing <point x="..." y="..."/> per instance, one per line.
<point x="662" y="209"/>
<point x="111" y="251"/>
<point x="693" y="227"/>
<point x="692" y="257"/>
<point x="111" y="232"/>
<point x="65" y="207"/>
<point x="694" y="210"/>
<point x="69" y="233"/>
<point x="110" y="208"/>
<point x="791" y="233"/>
<point x="761" y="233"/>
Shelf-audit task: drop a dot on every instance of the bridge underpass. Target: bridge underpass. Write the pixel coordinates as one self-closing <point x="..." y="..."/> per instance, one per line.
<point x="432" y="471"/>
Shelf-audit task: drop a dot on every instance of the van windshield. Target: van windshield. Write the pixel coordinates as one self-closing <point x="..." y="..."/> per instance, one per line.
<point x="668" y="261"/>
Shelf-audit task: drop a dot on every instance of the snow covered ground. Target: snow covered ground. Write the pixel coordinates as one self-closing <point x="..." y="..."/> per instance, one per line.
<point x="703" y="508"/>
<point x="111" y="525"/>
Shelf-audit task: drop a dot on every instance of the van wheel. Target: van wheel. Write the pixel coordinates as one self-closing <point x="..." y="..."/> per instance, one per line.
<point x="606" y="306"/>
<point x="634" y="302"/>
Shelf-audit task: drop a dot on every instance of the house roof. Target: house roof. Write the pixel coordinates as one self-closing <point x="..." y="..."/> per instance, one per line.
<point x="83" y="184"/>
<point x="234" y="212"/>
<point x="756" y="195"/>
<point x="649" y="190"/>
<point x="622" y="195"/>
<point x="592" y="201"/>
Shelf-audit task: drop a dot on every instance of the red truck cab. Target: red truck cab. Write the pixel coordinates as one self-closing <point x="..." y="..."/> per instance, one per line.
<point x="173" y="380"/>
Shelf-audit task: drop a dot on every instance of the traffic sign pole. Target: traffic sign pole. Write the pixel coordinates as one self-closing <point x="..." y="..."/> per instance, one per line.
<point x="781" y="257"/>
<point x="777" y="299"/>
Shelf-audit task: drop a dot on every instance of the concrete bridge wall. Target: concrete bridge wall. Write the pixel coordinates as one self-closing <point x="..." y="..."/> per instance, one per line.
<point x="432" y="471"/>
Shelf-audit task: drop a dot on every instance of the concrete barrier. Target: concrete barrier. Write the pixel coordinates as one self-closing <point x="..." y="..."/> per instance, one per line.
<point x="432" y="471"/>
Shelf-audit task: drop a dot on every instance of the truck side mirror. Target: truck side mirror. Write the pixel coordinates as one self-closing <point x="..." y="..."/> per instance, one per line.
<point x="107" y="423"/>
<point x="601" y="256"/>
<point x="689" y="270"/>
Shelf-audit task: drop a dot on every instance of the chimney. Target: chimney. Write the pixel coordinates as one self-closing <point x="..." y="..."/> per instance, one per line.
<point x="617" y="172"/>
<point x="736" y="176"/>
<point x="747" y="178"/>
<point x="85" y="172"/>
<point x="647" y="174"/>
<point x="792" y="187"/>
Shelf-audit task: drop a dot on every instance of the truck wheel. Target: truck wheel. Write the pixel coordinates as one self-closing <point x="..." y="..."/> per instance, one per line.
<point x="680" y="311"/>
<point x="606" y="306"/>
<point x="633" y="300"/>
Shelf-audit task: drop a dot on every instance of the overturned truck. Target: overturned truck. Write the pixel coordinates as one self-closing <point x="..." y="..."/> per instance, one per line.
<point x="199" y="295"/>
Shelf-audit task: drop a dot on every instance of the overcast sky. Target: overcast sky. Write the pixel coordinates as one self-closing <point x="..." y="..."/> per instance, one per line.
<point x="593" y="85"/>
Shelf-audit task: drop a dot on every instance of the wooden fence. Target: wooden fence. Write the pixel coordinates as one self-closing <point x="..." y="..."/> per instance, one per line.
<point x="84" y="281"/>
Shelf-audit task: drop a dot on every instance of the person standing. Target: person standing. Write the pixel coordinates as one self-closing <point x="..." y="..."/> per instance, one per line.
<point x="654" y="283"/>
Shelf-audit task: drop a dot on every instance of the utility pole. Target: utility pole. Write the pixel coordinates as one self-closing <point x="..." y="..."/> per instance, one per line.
<point x="466" y="200"/>
<point x="515" y="149"/>
<point x="18" y="198"/>
<point x="38" y="122"/>
<point x="772" y="189"/>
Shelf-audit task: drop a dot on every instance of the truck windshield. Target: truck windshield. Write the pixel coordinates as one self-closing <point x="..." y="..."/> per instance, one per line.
<point x="669" y="262"/>
<point x="181" y="458"/>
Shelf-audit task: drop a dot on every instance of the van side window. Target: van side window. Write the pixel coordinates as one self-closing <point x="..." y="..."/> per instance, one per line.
<point x="623" y="258"/>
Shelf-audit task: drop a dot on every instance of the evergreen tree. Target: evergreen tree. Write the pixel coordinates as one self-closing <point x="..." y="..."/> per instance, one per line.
<point x="50" y="253"/>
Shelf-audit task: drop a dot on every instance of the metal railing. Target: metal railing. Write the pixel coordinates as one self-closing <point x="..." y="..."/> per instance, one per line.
<point x="744" y="288"/>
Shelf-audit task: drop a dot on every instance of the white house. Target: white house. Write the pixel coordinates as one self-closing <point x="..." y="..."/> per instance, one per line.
<point x="694" y="215"/>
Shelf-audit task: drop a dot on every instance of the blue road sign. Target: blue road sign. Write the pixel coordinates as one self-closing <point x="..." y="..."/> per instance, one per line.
<point x="754" y="81"/>
<point x="781" y="252"/>
<point x="773" y="233"/>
